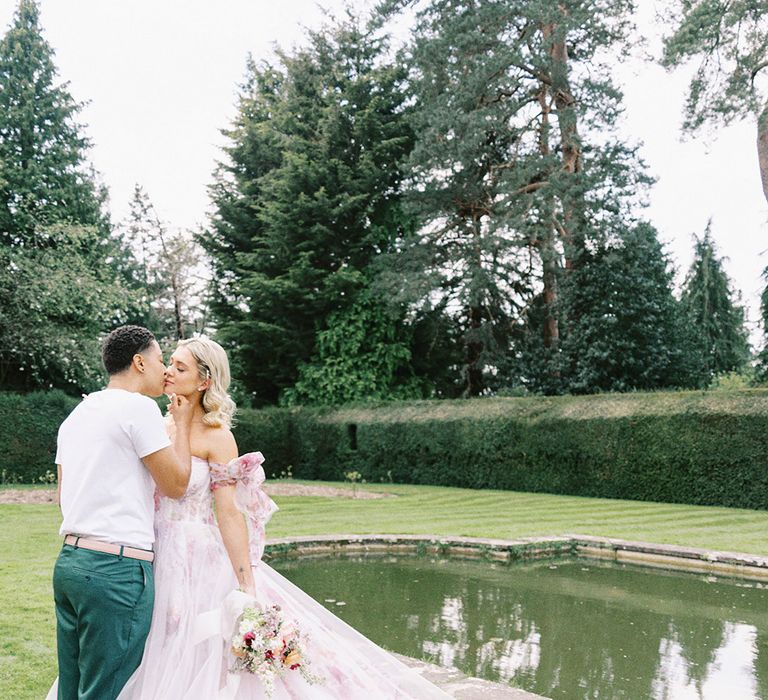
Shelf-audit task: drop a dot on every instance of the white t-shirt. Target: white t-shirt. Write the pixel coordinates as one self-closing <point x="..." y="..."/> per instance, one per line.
<point x="106" y="491"/>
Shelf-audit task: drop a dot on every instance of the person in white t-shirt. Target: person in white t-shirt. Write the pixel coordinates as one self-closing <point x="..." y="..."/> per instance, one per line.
<point x="112" y="451"/>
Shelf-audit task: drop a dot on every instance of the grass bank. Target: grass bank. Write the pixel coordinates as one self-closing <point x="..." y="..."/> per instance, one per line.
<point x="29" y="544"/>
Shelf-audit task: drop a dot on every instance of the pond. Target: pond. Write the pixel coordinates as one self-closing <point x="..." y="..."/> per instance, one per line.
<point x="564" y="628"/>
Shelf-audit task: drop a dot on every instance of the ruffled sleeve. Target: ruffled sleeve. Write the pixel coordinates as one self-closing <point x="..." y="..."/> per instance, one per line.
<point x="246" y="474"/>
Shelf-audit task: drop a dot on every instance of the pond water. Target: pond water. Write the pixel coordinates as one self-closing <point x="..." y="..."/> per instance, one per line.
<point x="567" y="628"/>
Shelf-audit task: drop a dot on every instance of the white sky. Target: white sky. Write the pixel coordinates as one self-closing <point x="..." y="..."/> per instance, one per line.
<point x="161" y="78"/>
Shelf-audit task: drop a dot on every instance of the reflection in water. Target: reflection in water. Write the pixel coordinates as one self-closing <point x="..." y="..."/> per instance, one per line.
<point x="452" y="628"/>
<point x="512" y="657"/>
<point x="729" y="674"/>
<point x="567" y="631"/>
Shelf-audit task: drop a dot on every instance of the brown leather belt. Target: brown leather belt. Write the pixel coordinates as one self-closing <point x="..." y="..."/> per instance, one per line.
<point x="108" y="548"/>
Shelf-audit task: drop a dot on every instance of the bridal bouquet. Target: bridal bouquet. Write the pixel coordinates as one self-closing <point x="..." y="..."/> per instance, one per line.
<point x="268" y="646"/>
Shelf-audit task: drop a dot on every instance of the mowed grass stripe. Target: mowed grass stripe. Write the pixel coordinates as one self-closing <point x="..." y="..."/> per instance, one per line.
<point x="626" y="508"/>
<point x="565" y="506"/>
<point x="620" y="518"/>
<point x="547" y="510"/>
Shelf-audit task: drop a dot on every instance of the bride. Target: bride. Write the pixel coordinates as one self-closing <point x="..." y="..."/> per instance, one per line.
<point x="210" y="543"/>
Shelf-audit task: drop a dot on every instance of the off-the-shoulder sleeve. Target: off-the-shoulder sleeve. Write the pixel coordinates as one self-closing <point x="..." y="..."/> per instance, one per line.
<point x="246" y="474"/>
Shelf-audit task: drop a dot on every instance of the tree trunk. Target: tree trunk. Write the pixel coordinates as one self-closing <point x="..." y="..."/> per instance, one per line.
<point x="179" y="321"/>
<point x="473" y="371"/>
<point x="762" y="148"/>
<point x="546" y="242"/>
<point x="473" y="346"/>
<point x="549" y="264"/>
<point x="571" y="226"/>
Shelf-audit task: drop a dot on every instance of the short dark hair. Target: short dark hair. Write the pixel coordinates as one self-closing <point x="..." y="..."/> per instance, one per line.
<point x="121" y="345"/>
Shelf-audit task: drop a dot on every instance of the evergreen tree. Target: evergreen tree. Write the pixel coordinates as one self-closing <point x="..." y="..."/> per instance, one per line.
<point x="44" y="177"/>
<point x="730" y="39"/>
<point x="61" y="285"/>
<point x="254" y="149"/>
<point x="719" y="339"/>
<point x="508" y="189"/>
<point x="626" y="333"/>
<point x="309" y="196"/>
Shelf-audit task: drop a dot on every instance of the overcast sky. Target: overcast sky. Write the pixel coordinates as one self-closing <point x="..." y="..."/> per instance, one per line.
<point x="161" y="77"/>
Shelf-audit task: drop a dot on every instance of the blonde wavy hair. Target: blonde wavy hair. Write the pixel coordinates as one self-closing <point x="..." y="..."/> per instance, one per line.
<point x="212" y="363"/>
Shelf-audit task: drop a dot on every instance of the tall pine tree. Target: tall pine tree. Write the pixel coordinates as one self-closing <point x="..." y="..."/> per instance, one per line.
<point x="514" y="169"/>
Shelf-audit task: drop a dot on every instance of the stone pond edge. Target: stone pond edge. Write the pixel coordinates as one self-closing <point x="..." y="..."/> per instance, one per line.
<point x="673" y="557"/>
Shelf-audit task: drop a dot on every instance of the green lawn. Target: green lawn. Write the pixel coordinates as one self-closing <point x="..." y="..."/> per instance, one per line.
<point x="27" y="487"/>
<point x="29" y="544"/>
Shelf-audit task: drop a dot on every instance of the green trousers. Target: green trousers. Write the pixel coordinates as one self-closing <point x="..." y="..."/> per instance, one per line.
<point x="103" y="610"/>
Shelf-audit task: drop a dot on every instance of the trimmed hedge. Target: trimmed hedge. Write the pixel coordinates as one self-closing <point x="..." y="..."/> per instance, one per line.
<point x="681" y="447"/>
<point x="707" y="448"/>
<point x="269" y="430"/>
<point x="29" y="424"/>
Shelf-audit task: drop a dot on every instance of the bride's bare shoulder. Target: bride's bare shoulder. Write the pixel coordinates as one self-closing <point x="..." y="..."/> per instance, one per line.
<point x="221" y="444"/>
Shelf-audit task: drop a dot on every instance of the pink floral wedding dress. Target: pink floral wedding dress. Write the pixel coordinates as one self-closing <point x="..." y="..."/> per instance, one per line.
<point x="187" y="652"/>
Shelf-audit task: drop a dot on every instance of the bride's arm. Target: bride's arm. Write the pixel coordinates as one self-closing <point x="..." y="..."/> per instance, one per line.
<point x="234" y="531"/>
